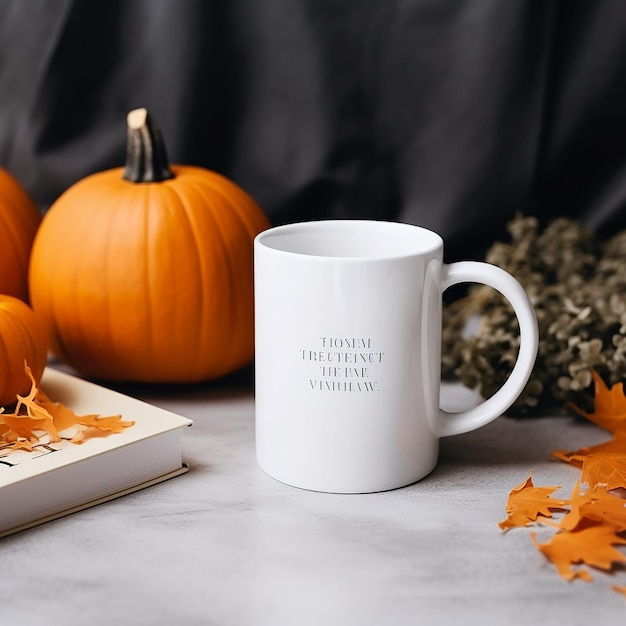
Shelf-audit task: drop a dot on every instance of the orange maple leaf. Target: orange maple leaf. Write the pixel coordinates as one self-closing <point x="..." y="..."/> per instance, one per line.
<point x="36" y="413"/>
<point x="84" y="425"/>
<point x="604" y="464"/>
<point x="595" y="505"/>
<point x="592" y="545"/>
<point x="18" y="444"/>
<point x="609" y="406"/>
<point x="596" y="520"/>
<point x="604" y="470"/>
<point x="526" y="503"/>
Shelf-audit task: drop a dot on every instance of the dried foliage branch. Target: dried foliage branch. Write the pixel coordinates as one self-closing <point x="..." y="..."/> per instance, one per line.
<point x="577" y="283"/>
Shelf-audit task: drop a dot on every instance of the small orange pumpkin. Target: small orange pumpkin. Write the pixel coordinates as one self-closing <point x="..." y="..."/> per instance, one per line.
<point x="19" y="219"/>
<point x="22" y="338"/>
<point x="146" y="273"/>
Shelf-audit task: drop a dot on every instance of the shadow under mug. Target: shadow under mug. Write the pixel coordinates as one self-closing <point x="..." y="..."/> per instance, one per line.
<point x="348" y="353"/>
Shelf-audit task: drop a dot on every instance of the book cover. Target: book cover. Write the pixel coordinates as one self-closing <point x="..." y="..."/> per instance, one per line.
<point x="62" y="477"/>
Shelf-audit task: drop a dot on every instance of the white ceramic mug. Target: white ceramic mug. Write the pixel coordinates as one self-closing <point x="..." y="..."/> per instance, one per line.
<point x="348" y="351"/>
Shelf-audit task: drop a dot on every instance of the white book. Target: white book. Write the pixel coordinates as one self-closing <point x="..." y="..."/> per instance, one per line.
<point x="61" y="478"/>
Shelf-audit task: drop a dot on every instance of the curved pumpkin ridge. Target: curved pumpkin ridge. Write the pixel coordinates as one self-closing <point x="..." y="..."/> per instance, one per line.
<point x="96" y="310"/>
<point x="245" y="207"/>
<point x="20" y="328"/>
<point x="237" y="309"/>
<point x="146" y="244"/>
<point x="14" y="248"/>
<point x="50" y="320"/>
<point x="245" y="299"/>
<point x="6" y="377"/>
<point x="36" y="346"/>
<point x="20" y="220"/>
<point x="209" y="259"/>
<point x="236" y="347"/>
<point x="43" y="281"/>
<point x="182" y="317"/>
<point x="81" y="335"/>
<point x="66" y="273"/>
<point x="11" y="373"/>
<point x="186" y="208"/>
<point x="217" y="301"/>
<point x="10" y="253"/>
<point x="137" y="326"/>
<point x="118" y="210"/>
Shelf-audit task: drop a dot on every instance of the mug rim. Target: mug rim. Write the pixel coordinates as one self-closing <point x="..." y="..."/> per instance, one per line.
<point x="430" y="241"/>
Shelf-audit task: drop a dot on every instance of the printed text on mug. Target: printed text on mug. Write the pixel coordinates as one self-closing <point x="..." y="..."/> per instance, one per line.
<point x="343" y="364"/>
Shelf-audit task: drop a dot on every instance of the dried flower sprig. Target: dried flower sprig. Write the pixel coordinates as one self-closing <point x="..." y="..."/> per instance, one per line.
<point x="577" y="284"/>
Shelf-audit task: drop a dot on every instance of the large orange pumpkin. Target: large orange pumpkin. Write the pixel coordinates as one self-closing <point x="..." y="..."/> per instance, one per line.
<point x="146" y="273"/>
<point x="22" y="338"/>
<point x="19" y="219"/>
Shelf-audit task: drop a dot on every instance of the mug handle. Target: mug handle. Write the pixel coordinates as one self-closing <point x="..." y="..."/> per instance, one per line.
<point x="502" y="281"/>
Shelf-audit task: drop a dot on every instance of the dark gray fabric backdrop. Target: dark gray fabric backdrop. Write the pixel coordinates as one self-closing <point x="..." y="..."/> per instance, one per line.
<point x="453" y="114"/>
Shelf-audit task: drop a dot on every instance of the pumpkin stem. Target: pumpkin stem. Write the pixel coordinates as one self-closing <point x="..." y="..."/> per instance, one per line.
<point x="146" y="157"/>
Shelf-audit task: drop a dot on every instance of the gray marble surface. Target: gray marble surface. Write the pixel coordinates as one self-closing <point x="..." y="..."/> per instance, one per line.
<point x="227" y="545"/>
